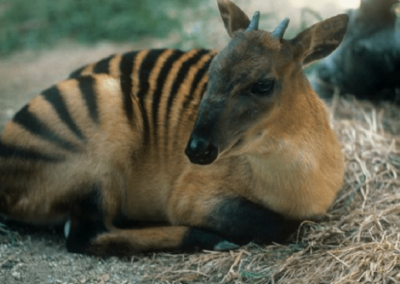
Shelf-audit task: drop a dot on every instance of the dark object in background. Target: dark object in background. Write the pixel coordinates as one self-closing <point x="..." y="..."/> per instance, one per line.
<point x="367" y="63"/>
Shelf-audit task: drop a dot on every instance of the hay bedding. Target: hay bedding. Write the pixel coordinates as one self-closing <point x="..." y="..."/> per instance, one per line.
<point x="358" y="241"/>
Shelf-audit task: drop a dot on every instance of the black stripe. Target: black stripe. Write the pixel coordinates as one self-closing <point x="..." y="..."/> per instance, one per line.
<point x="183" y="71"/>
<point x="199" y="75"/>
<point x="54" y="97"/>
<point x="77" y="72"/>
<point x="126" y="71"/>
<point x="193" y="115"/>
<point x="15" y="171"/>
<point x="144" y="74"/>
<point x="86" y="85"/>
<point x="203" y="90"/>
<point x="165" y="70"/>
<point x="103" y="66"/>
<point x="31" y="123"/>
<point x="16" y="152"/>
<point x="194" y="112"/>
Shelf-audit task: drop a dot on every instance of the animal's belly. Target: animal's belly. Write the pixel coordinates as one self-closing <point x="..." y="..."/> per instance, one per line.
<point x="147" y="194"/>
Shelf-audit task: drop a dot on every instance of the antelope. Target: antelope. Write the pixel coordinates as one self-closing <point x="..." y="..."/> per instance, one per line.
<point x="367" y="63"/>
<point x="162" y="149"/>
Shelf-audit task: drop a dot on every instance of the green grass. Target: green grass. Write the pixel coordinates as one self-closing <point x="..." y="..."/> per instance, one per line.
<point x="38" y="24"/>
<point x="35" y="24"/>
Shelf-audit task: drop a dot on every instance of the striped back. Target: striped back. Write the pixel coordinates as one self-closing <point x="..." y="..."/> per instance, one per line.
<point x="168" y="84"/>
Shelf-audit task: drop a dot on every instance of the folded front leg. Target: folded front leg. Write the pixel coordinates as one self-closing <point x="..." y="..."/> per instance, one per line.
<point x="90" y="230"/>
<point x="234" y="217"/>
<point x="168" y="238"/>
<point x="242" y="221"/>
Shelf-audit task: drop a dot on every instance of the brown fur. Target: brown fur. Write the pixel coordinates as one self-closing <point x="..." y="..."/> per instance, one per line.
<point x="285" y="157"/>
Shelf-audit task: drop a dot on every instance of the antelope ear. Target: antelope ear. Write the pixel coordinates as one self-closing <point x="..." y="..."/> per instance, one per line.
<point x="233" y="17"/>
<point x="378" y="7"/>
<point x="319" y="40"/>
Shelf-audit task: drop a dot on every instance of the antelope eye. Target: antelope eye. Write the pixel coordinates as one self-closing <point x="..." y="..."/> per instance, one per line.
<point x="263" y="87"/>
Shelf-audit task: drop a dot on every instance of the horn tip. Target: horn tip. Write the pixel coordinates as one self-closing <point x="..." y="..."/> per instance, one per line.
<point x="254" y="22"/>
<point x="281" y="28"/>
<point x="286" y="20"/>
<point x="256" y="16"/>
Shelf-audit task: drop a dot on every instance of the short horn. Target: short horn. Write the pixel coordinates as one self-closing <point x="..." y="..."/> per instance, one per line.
<point x="281" y="28"/>
<point x="254" y="22"/>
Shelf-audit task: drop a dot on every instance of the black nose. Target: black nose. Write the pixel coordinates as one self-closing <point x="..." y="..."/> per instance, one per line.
<point x="200" y="151"/>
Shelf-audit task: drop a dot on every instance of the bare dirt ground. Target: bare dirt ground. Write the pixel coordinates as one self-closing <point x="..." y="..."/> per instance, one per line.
<point x="357" y="242"/>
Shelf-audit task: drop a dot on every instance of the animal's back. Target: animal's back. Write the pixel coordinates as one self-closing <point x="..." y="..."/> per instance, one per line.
<point x="167" y="85"/>
<point x="132" y="123"/>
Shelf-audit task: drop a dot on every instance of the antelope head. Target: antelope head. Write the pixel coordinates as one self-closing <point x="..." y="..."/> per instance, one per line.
<point x="254" y="82"/>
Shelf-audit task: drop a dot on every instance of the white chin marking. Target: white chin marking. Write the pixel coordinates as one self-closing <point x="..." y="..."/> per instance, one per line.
<point x="67" y="228"/>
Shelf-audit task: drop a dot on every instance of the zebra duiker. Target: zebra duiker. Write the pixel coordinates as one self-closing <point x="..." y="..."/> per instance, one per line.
<point x="106" y="152"/>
